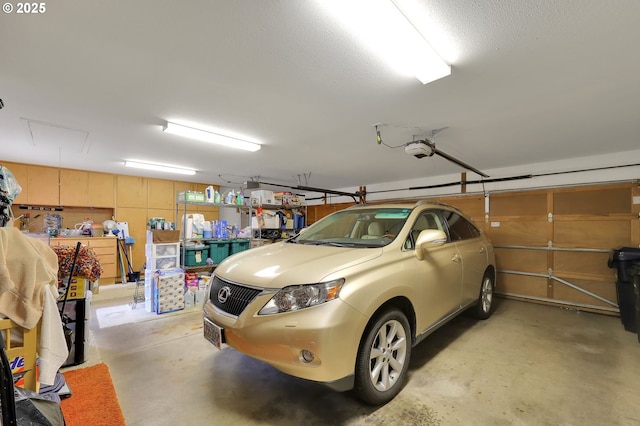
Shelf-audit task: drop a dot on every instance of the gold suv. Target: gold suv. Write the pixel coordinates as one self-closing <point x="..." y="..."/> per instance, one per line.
<point x="344" y="301"/>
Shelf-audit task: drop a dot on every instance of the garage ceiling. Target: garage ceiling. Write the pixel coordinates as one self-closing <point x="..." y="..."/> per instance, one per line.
<point x="89" y="84"/>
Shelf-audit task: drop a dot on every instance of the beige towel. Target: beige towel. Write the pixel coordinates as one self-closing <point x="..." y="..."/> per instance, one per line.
<point x="27" y="265"/>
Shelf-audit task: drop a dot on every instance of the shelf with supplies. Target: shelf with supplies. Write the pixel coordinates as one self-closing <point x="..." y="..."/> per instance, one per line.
<point x="201" y="240"/>
<point x="275" y="216"/>
<point x="282" y="213"/>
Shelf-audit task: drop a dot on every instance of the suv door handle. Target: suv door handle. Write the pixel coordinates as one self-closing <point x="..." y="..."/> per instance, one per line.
<point x="456" y="258"/>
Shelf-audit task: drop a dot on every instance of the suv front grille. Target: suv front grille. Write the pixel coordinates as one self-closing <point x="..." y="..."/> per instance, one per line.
<point x="231" y="298"/>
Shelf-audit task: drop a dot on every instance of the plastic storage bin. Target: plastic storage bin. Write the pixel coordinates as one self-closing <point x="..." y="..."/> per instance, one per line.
<point x="196" y="256"/>
<point x="238" y="245"/>
<point x="627" y="262"/>
<point x="218" y="250"/>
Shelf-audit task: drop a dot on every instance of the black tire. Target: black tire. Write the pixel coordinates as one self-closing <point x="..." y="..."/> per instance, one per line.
<point x="383" y="358"/>
<point x="483" y="308"/>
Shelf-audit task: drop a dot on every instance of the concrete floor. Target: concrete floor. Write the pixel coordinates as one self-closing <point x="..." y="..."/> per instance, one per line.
<point x="528" y="364"/>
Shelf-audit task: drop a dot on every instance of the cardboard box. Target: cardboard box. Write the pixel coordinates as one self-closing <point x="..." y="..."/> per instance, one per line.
<point x="168" y="290"/>
<point x="262" y="196"/>
<point x="283" y="198"/>
<point x="157" y="236"/>
<point x="297" y="201"/>
<point x="271" y="221"/>
<point x="191" y="196"/>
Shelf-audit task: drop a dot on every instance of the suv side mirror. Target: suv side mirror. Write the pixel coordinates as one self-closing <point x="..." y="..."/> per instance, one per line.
<point x="427" y="239"/>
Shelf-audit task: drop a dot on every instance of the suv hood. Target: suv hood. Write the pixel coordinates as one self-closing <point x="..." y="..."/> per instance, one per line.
<point x="281" y="264"/>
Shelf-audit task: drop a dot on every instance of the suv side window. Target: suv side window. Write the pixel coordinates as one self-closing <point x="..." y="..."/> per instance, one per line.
<point x="427" y="220"/>
<point x="459" y="227"/>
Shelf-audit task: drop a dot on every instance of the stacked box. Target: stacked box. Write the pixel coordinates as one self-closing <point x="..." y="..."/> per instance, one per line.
<point x="168" y="290"/>
<point x="162" y="256"/>
<point x="262" y="196"/>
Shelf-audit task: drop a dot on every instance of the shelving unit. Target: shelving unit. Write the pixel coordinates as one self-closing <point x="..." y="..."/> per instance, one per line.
<point x="182" y="207"/>
<point x="257" y="238"/>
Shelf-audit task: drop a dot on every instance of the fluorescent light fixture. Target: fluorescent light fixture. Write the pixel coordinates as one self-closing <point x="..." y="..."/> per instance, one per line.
<point x="388" y="31"/>
<point x="159" y="167"/>
<point x="211" y="136"/>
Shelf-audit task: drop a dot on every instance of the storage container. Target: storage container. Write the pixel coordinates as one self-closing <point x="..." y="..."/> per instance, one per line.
<point x="238" y="246"/>
<point x="196" y="256"/>
<point x="218" y="250"/>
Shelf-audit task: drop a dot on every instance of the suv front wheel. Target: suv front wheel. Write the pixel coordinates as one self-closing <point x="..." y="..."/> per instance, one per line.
<point x="383" y="358"/>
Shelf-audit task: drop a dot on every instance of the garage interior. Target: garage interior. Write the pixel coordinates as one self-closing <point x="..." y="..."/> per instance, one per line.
<point x="540" y="105"/>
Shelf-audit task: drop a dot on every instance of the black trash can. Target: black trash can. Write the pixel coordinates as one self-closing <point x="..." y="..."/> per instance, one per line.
<point x="636" y="292"/>
<point x="627" y="262"/>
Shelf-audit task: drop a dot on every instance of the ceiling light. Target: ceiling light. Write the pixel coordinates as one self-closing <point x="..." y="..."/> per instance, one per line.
<point x="210" y="136"/>
<point x="389" y="31"/>
<point x="159" y="167"/>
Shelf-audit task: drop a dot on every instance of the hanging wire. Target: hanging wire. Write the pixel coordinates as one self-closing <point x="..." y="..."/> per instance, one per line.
<point x="381" y="141"/>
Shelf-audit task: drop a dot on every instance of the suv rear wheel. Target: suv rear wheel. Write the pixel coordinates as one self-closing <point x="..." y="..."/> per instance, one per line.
<point x="383" y="358"/>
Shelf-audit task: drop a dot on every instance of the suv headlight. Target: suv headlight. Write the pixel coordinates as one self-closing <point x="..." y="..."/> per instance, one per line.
<point x="296" y="297"/>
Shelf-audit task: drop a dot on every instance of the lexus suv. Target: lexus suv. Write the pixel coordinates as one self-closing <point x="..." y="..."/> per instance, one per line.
<point x="344" y="301"/>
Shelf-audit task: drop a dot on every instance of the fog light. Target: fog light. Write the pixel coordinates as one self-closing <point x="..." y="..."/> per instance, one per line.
<point x="306" y="356"/>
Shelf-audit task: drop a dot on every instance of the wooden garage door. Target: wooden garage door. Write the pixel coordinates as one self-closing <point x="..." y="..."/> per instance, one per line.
<point x="552" y="246"/>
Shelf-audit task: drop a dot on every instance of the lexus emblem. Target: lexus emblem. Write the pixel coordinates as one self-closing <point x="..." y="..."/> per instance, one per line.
<point x="223" y="294"/>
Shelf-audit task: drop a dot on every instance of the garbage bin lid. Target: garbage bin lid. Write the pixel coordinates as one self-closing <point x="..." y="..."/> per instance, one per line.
<point x="626" y="253"/>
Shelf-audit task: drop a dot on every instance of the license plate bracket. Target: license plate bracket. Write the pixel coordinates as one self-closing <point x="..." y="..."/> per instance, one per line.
<point x="213" y="333"/>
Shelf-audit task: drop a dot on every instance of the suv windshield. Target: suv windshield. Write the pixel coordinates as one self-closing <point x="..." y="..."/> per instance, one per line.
<point x="356" y="228"/>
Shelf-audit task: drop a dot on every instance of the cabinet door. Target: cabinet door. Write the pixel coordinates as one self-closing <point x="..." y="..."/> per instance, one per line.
<point x="161" y="194"/>
<point x="132" y="191"/>
<point x="43" y="184"/>
<point x="20" y="172"/>
<point x="102" y="190"/>
<point x="74" y="187"/>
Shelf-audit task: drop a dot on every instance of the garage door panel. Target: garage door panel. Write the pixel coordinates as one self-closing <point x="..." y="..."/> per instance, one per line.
<point x="600" y="288"/>
<point x="583" y="263"/>
<point x="521" y="260"/>
<point x="522" y="204"/>
<point x="602" y="201"/>
<point x="519" y="233"/>
<point x="522" y="285"/>
<point x="592" y="234"/>
<point x="472" y="206"/>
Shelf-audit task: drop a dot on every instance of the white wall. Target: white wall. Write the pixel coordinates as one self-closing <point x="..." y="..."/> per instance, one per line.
<point x="231" y="215"/>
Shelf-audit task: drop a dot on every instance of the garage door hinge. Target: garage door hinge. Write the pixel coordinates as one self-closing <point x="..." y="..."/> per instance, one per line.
<point x="550" y="244"/>
<point x="550" y="217"/>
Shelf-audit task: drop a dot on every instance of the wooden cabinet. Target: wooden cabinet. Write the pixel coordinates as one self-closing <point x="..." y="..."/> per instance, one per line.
<point x="102" y="190"/>
<point x="105" y="249"/>
<point x="43" y="186"/>
<point x="20" y="172"/>
<point x="132" y="191"/>
<point x="160" y="194"/>
<point x="74" y="188"/>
